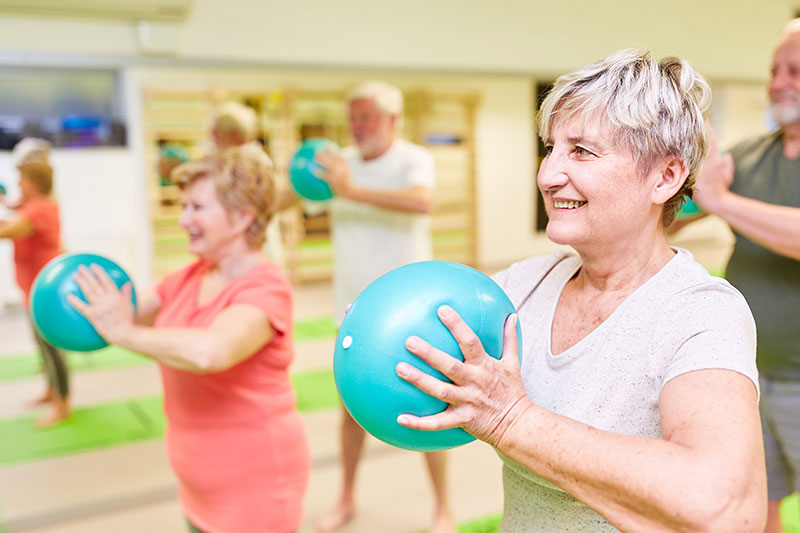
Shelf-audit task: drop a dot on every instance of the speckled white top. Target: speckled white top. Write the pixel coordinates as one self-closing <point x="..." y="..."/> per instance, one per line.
<point x="682" y="319"/>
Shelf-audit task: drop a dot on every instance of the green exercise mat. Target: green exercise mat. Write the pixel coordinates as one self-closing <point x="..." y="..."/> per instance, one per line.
<point x="118" y="423"/>
<point x="484" y="524"/>
<point x="87" y="429"/>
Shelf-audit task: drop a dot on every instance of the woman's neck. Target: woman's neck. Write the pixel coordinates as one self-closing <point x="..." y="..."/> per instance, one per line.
<point x="237" y="262"/>
<point x="31" y="197"/>
<point x="625" y="269"/>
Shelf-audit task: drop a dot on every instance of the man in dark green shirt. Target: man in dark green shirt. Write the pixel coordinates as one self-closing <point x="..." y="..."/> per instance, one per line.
<point x="756" y="189"/>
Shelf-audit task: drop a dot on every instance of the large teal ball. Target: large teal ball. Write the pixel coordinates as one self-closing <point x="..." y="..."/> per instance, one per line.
<point x="303" y="166"/>
<point x="371" y="342"/>
<point x="55" y="318"/>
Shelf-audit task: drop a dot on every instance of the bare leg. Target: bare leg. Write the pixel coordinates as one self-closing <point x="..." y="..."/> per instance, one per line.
<point x="443" y="521"/>
<point x="773" y="517"/>
<point x="54" y="364"/>
<point x="352" y="436"/>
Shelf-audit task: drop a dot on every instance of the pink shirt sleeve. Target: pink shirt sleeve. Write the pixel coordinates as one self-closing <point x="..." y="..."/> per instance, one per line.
<point x="271" y="294"/>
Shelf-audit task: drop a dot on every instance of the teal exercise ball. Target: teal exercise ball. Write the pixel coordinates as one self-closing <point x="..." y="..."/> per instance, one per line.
<point x="689" y="209"/>
<point x="303" y="166"/>
<point x="54" y="317"/>
<point x="371" y="342"/>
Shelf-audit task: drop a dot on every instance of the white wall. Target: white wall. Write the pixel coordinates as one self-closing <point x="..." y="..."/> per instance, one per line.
<point x="102" y="208"/>
<point x="499" y="47"/>
<point x="725" y="39"/>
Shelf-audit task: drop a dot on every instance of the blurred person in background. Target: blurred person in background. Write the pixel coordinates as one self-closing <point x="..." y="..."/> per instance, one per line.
<point x="755" y="188"/>
<point x="35" y="231"/>
<point x="380" y="220"/>
<point x="235" y="124"/>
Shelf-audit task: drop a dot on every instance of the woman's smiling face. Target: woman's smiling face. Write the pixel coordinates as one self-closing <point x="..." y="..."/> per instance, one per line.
<point x="592" y="188"/>
<point x="206" y="221"/>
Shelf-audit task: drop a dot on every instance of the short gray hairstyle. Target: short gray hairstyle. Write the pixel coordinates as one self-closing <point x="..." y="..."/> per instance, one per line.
<point x="238" y="118"/>
<point x="388" y="98"/>
<point x="655" y="109"/>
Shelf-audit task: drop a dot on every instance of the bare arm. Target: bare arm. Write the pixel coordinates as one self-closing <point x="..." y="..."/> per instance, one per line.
<point x="774" y="227"/>
<point x="148" y="305"/>
<point x="233" y="336"/>
<point x="16" y="228"/>
<point x="417" y="199"/>
<point x="707" y="473"/>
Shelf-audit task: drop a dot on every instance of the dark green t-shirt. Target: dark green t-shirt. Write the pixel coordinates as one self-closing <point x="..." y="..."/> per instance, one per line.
<point x="770" y="282"/>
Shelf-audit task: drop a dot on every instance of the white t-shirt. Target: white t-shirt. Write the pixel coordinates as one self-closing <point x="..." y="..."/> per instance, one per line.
<point x="682" y="319"/>
<point x="369" y="241"/>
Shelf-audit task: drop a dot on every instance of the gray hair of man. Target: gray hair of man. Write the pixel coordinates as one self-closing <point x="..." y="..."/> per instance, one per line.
<point x="236" y="118"/>
<point x="792" y="28"/>
<point x="654" y="109"/>
<point x="388" y="98"/>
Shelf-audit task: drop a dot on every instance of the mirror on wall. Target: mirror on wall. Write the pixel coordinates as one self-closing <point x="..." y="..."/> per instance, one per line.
<point x="68" y="107"/>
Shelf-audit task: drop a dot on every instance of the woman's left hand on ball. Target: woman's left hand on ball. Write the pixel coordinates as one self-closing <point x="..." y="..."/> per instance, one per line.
<point x="108" y="308"/>
<point x="486" y="394"/>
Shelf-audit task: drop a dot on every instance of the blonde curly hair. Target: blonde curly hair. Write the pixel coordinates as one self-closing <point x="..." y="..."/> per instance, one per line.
<point x="243" y="181"/>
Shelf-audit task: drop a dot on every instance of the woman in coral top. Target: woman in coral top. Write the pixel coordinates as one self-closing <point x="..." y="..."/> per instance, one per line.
<point x="35" y="232"/>
<point x="221" y="330"/>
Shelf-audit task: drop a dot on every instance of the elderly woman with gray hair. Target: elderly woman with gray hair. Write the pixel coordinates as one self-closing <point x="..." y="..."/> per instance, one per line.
<point x="635" y="406"/>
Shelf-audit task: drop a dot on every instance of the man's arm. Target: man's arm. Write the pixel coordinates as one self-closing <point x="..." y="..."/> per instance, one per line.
<point x="774" y="227"/>
<point x="417" y="199"/>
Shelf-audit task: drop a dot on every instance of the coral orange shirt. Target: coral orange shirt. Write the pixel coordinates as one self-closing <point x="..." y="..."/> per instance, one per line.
<point x="33" y="252"/>
<point x="234" y="438"/>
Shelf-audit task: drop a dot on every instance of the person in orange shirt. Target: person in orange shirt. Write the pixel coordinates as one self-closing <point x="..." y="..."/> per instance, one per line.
<point x="221" y="330"/>
<point x="35" y="233"/>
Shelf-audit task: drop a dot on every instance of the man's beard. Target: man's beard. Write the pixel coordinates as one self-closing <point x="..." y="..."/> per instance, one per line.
<point x="786" y="113"/>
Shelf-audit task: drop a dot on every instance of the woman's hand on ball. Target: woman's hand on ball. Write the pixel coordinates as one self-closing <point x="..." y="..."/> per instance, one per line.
<point x="107" y="307"/>
<point x="486" y="395"/>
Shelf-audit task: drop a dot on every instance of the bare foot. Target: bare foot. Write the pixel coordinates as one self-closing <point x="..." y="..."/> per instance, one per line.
<point x="443" y="523"/>
<point x="45" y="398"/>
<point x="336" y="518"/>
<point x="58" y="413"/>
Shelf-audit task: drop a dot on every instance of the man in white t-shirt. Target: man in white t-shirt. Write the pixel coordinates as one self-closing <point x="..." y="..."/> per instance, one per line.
<point x="380" y="220"/>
